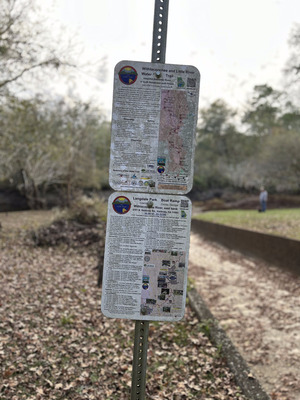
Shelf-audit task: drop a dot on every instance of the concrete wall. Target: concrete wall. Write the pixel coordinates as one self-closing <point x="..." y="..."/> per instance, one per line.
<point x="275" y="250"/>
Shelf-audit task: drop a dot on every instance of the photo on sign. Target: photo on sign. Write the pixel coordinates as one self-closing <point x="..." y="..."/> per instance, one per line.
<point x="165" y="283"/>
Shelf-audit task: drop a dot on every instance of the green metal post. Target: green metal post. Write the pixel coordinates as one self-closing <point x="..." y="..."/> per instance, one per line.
<point x="160" y="26"/>
<point x="139" y="366"/>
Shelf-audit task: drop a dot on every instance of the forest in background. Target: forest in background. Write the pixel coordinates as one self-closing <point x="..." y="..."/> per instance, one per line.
<point x="62" y="145"/>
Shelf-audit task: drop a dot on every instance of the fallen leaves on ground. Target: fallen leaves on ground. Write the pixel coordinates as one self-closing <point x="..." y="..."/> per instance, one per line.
<point x="56" y="344"/>
<point x="69" y="232"/>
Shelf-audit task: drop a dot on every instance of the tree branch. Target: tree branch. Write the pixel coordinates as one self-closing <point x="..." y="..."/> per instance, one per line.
<point x="54" y="62"/>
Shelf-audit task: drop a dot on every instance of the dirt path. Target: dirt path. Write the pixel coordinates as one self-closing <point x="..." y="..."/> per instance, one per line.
<point x="259" y="307"/>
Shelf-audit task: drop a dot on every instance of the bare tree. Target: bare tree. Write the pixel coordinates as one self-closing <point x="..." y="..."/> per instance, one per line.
<point x="45" y="143"/>
<point x="24" y="44"/>
<point x="293" y="63"/>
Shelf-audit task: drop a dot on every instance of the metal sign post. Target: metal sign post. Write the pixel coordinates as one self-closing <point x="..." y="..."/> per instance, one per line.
<point x="139" y="366"/>
<point x="154" y="119"/>
<point x="160" y="26"/>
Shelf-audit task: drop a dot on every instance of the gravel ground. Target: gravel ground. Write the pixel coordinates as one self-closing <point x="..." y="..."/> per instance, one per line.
<point x="258" y="306"/>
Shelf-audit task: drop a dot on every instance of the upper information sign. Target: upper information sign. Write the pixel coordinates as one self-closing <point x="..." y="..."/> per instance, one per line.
<point x="154" y="118"/>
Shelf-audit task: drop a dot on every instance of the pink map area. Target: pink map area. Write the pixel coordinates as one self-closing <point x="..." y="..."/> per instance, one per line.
<point x="174" y="110"/>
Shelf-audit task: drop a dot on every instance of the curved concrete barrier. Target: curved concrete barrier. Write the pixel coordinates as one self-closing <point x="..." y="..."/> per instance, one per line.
<point x="276" y="250"/>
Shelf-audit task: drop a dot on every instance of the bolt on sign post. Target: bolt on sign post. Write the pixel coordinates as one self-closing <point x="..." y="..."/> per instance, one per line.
<point x="154" y="117"/>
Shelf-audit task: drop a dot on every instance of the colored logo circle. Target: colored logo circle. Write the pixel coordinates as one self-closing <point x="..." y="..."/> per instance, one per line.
<point x="121" y="205"/>
<point x="128" y="75"/>
<point x="161" y="170"/>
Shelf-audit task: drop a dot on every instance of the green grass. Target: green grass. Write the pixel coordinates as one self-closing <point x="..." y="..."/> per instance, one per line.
<point x="281" y="222"/>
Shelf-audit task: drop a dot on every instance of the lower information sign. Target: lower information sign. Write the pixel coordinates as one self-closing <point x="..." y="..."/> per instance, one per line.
<point x="146" y="256"/>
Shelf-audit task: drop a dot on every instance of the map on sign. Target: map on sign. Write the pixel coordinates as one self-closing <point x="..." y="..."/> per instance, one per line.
<point x="155" y="108"/>
<point x="146" y="256"/>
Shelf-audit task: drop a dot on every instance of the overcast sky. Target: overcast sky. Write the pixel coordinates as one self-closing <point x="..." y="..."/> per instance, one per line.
<point x="235" y="44"/>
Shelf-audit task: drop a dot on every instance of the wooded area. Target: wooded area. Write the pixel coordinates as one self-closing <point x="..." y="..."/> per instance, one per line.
<point x="62" y="145"/>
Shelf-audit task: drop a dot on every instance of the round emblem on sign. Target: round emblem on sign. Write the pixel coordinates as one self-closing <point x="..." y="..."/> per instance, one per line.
<point x="121" y="205"/>
<point x="160" y="170"/>
<point x="128" y="75"/>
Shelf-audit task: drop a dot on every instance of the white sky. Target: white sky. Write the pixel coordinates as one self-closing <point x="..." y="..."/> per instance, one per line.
<point x="235" y="44"/>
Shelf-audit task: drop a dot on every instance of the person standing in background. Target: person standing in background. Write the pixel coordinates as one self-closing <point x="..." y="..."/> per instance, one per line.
<point x="263" y="198"/>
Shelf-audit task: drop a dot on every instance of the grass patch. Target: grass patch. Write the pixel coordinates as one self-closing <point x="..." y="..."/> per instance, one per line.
<point x="205" y="327"/>
<point x="67" y="320"/>
<point x="281" y="222"/>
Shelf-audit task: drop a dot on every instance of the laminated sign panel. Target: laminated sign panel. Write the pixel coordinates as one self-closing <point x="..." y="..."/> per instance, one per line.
<point x="154" y="118"/>
<point x="146" y="256"/>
